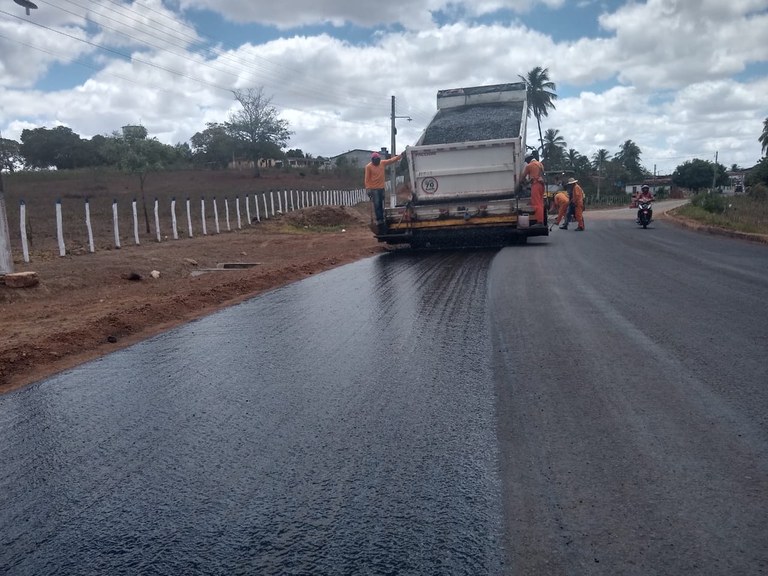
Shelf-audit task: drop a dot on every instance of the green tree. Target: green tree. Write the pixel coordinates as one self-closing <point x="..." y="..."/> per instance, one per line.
<point x="43" y="148"/>
<point x="572" y="158"/>
<point x="214" y="147"/>
<point x="629" y="158"/>
<point x="759" y="174"/>
<point x="554" y="146"/>
<point x="257" y="125"/>
<point x="10" y="157"/>
<point x="541" y="97"/>
<point x="698" y="174"/>
<point x="599" y="158"/>
<point x="140" y="156"/>
<point x="600" y="161"/>
<point x="763" y="139"/>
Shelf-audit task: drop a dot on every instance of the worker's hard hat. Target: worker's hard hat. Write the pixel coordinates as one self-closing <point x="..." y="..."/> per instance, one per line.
<point x="645" y="187"/>
<point x="572" y="181"/>
<point x="375" y="155"/>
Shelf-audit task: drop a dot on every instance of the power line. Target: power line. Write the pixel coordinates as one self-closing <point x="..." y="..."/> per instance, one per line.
<point x="273" y="72"/>
<point x="321" y="94"/>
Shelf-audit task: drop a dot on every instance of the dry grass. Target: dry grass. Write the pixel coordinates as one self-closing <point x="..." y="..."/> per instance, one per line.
<point x="742" y="214"/>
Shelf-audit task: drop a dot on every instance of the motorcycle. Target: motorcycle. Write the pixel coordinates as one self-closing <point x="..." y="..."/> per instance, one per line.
<point x="644" y="213"/>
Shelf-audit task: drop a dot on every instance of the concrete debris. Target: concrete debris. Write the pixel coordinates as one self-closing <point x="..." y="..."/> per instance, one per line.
<point x="20" y="279"/>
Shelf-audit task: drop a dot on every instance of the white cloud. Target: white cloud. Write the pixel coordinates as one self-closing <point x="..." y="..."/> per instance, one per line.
<point x="367" y="13"/>
<point x="676" y="64"/>
<point x="672" y="43"/>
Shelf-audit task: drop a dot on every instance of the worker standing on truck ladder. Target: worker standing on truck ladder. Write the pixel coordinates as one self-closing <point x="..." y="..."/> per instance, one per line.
<point x="375" y="178"/>
<point x="534" y="171"/>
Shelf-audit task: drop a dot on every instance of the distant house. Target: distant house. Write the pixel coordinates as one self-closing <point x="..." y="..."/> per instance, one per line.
<point x="736" y="181"/>
<point x="244" y="164"/>
<point x="304" y="162"/>
<point x="241" y="164"/>
<point x="653" y="183"/>
<point x="357" y="157"/>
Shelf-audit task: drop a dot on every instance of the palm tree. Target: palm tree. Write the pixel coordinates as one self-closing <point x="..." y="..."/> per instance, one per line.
<point x="541" y="96"/>
<point x="553" y="146"/>
<point x="572" y="158"/>
<point x="599" y="159"/>
<point x="764" y="136"/>
<point x="629" y="157"/>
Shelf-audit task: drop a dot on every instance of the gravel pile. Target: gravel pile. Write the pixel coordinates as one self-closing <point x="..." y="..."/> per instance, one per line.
<point x="475" y="123"/>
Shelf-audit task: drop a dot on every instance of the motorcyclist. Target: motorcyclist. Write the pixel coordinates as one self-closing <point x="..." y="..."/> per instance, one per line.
<point x="644" y="196"/>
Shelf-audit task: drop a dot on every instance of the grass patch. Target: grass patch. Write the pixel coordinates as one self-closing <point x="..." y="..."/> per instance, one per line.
<point x="740" y="213"/>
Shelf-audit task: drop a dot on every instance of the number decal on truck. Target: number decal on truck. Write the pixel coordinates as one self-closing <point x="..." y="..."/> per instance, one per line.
<point x="429" y="185"/>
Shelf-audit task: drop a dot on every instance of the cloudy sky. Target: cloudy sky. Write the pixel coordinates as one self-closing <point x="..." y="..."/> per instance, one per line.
<point x="683" y="79"/>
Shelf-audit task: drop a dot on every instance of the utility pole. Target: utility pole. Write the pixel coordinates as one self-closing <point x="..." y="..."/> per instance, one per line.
<point x="714" y="175"/>
<point x="599" y="175"/>
<point x="393" y="175"/>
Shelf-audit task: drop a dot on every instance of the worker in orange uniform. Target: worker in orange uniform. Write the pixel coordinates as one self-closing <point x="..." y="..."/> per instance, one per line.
<point x="576" y="197"/>
<point x="534" y="172"/>
<point x="562" y="202"/>
<point x="374" y="183"/>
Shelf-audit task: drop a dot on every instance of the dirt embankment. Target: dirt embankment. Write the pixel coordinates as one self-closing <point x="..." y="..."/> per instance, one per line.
<point x="92" y="304"/>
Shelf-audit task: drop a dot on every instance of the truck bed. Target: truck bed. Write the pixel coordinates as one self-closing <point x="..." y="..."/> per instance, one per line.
<point x="474" y="123"/>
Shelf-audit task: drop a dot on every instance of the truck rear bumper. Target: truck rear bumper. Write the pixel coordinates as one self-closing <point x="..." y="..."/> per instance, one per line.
<point x="496" y="232"/>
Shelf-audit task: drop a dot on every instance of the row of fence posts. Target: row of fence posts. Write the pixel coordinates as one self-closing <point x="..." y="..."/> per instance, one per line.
<point x="279" y="203"/>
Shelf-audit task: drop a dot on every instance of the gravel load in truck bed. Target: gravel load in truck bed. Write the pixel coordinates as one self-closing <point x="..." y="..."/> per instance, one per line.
<point x="474" y="123"/>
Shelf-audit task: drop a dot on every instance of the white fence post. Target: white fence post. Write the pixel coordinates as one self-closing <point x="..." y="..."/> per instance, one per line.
<point x="272" y="201"/>
<point x="60" y="229"/>
<point x="173" y="219"/>
<point x="202" y="211"/>
<point x="256" y="203"/>
<point x="248" y="208"/>
<point x="157" y="220"/>
<point x="116" y="225"/>
<point x="189" y="219"/>
<point x="266" y="210"/>
<point x="88" y="226"/>
<point x="216" y="215"/>
<point x="135" y="223"/>
<point x="293" y="206"/>
<point x="23" y="228"/>
<point x="226" y="212"/>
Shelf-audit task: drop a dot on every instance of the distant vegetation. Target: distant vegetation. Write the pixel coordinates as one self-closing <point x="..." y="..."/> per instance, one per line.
<point x="743" y="213"/>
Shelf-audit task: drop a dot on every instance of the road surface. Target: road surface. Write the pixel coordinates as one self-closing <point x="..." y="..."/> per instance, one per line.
<point x="590" y="403"/>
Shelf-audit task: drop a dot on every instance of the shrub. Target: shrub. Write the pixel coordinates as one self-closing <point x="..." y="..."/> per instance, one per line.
<point x="758" y="192"/>
<point x="712" y="203"/>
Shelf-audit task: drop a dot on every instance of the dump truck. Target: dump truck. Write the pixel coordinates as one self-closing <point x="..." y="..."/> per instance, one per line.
<point x="463" y="178"/>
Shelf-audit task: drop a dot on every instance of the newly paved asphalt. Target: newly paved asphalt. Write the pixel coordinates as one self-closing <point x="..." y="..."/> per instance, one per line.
<point x="591" y="403"/>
